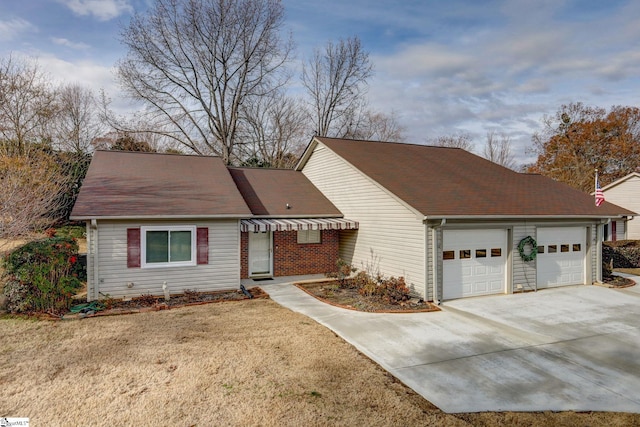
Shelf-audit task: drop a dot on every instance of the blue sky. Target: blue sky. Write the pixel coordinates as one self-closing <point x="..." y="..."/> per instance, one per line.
<point x="444" y="67"/>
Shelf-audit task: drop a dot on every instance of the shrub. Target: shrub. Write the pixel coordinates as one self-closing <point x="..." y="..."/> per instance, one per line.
<point x="624" y="253"/>
<point x="42" y="276"/>
<point x="342" y="273"/>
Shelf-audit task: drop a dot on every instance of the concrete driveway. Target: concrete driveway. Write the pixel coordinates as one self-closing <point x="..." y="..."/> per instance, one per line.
<point x="573" y="348"/>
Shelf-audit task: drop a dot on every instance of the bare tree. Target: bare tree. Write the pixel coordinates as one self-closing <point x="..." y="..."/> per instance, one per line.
<point x="27" y="103"/>
<point x="498" y="150"/>
<point x="275" y="125"/>
<point x="77" y="122"/>
<point x="195" y="62"/>
<point x="372" y="125"/>
<point x="462" y="140"/>
<point x="32" y="188"/>
<point x="335" y="79"/>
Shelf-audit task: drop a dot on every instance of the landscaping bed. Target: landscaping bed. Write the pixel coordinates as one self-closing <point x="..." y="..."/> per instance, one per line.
<point x="348" y="296"/>
<point x="143" y="303"/>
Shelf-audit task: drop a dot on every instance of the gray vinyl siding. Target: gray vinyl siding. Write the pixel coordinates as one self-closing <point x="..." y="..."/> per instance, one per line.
<point x="390" y="235"/>
<point x="627" y="195"/>
<point x="222" y="272"/>
<point x="524" y="273"/>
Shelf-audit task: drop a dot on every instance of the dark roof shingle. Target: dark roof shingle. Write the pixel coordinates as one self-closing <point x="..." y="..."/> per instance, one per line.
<point x="267" y="192"/>
<point x="440" y="181"/>
<point x="150" y="185"/>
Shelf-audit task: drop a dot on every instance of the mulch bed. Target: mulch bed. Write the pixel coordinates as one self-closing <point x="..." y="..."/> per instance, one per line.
<point x="349" y="298"/>
<point x="617" y="282"/>
<point x="156" y="303"/>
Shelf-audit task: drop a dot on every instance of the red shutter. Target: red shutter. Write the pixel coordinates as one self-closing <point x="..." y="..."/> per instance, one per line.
<point x="202" y="242"/>
<point x="133" y="247"/>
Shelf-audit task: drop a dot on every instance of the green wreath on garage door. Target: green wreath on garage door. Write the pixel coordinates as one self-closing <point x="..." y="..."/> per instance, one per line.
<point x="528" y="241"/>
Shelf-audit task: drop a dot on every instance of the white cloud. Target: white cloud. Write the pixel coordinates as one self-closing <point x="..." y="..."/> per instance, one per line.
<point x="104" y="10"/>
<point x="69" y="43"/>
<point x="10" y="29"/>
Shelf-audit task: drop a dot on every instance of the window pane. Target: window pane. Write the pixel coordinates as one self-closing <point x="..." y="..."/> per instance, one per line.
<point x="465" y="253"/>
<point x="540" y="249"/>
<point x="180" y="246"/>
<point x="448" y="255"/>
<point x="157" y="246"/>
<point x="308" y="236"/>
<point x="496" y="252"/>
<point x="314" y="236"/>
<point x="564" y="248"/>
<point x="481" y="253"/>
<point x="576" y="247"/>
<point x="552" y="249"/>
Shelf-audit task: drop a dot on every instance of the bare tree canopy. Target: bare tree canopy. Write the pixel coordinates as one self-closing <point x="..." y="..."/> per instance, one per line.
<point x="275" y="126"/>
<point x="27" y="104"/>
<point x="462" y="140"/>
<point x="579" y="139"/>
<point x="77" y="122"/>
<point x="195" y="62"/>
<point x="371" y="125"/>
<point x="498" y="150"/>
<point x="33" y="185"/>
<point x="335" y="79"/>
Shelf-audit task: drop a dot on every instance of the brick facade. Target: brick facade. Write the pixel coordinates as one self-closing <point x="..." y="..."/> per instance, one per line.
<point x="293" y="259"/>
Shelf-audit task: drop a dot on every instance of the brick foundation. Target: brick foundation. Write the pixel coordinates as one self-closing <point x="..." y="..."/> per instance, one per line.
<point x="293" y="259"/>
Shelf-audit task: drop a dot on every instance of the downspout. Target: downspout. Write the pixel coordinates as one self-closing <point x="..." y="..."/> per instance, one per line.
<point x="94" y="259"/>
<point x="434" y="246"/>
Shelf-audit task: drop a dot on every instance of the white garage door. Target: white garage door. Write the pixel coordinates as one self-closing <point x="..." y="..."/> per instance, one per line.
<point x="561" y="256"/>
<point x="474" y="262"/>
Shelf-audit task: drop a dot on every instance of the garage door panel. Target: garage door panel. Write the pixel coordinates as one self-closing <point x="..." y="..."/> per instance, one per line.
<point x="477" y="266"/>
<point x="562" y="258"/>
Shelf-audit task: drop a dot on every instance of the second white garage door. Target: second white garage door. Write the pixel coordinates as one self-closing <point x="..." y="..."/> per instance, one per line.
<point x="561" y="256"/>
<point x="474" y="262"/>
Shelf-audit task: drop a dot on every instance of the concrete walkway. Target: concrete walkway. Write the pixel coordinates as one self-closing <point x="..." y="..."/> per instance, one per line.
<point x="572" y="348"/>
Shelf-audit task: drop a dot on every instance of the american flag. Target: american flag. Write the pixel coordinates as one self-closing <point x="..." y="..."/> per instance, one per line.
<point x="599" y="193"/>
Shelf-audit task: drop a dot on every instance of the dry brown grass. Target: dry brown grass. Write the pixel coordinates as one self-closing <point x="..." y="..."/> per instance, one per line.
<point x="234" y="363"/>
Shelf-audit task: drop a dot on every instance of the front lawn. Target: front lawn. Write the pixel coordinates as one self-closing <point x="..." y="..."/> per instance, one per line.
<point x="250" y="362"/>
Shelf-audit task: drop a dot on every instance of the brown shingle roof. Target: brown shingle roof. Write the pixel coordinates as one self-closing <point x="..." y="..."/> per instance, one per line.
<point x="439" y="182"/>
<point x="149" y="185"/>
<point x="268" y="191"/>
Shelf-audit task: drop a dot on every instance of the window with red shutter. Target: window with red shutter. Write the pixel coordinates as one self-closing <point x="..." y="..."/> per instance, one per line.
<point x="133" y="248"/>
<point x="203" y="245"/>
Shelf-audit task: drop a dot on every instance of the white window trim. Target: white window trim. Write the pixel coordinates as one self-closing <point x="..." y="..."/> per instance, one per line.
<point x="143" y="246"/>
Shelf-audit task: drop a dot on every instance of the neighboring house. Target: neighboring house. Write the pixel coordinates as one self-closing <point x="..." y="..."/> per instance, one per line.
<point x="157" y="220"/>
<point x="624" y="192"/>
<point x="450" y="222"/>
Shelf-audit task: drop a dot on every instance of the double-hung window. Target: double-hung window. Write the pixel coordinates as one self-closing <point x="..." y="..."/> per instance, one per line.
<point x="169" y="246"/>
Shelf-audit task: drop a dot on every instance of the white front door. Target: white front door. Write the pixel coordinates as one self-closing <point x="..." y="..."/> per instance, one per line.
<point x="474" y="262"/>
<point x="561" y="256"/>
<point x="260" y="254"/>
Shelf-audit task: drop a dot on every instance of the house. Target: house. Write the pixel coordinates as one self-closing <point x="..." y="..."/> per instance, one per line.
<point x="624" y="192"/>
<point x="189" y="222"/>
<point x="452" y="223"/>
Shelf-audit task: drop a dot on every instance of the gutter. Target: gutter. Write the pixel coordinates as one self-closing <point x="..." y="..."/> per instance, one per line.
<point x="157" y="217"/>
<point x="527" y="217"/>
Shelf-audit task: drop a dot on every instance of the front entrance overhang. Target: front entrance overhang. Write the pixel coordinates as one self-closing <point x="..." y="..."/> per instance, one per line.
<point x="260" y="225"/>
